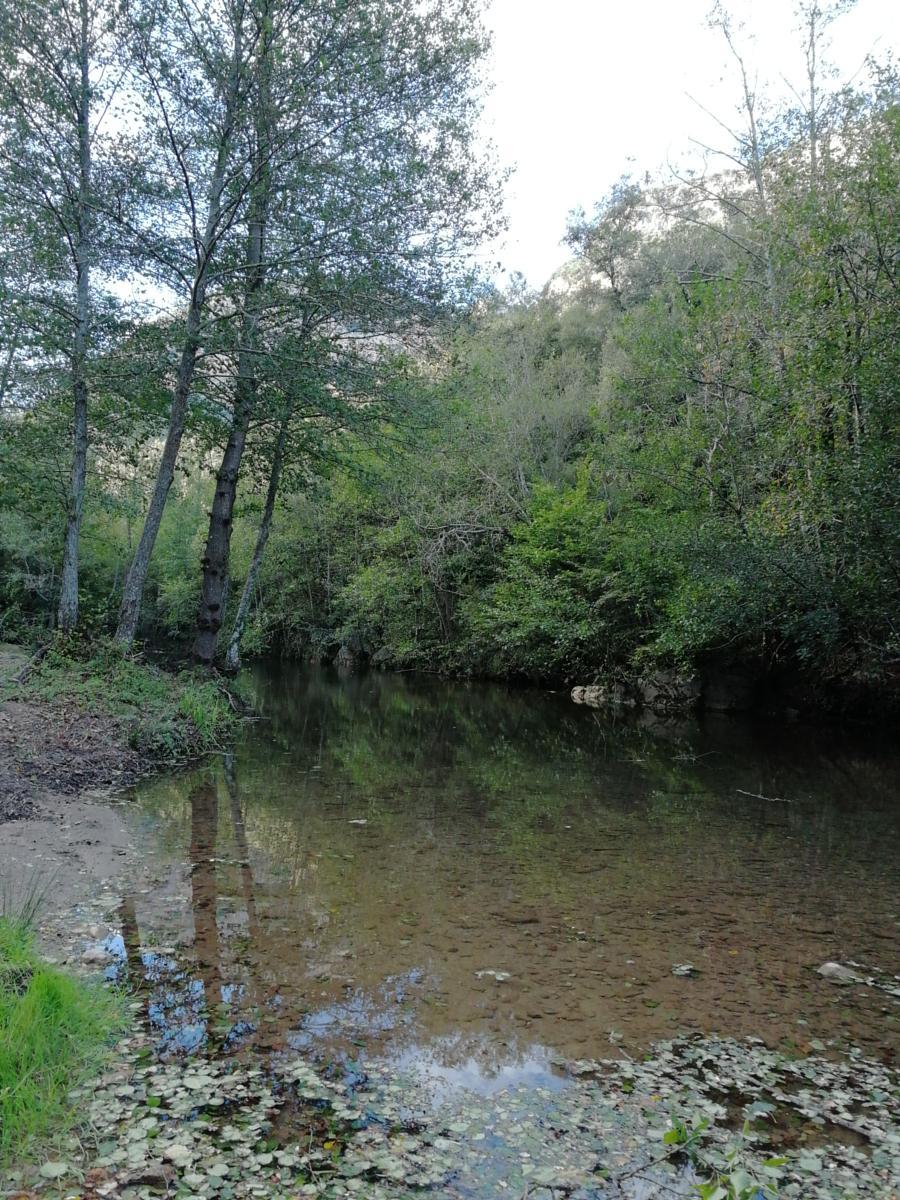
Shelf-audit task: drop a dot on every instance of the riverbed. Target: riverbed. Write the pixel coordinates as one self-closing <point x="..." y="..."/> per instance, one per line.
<point x="482" y="914"/>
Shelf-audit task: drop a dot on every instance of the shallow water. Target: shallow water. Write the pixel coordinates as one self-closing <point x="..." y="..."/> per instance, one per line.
<point x="472" y="880"/>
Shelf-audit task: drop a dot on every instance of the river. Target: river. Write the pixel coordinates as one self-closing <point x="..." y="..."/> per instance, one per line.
<point x="474" y="880"/>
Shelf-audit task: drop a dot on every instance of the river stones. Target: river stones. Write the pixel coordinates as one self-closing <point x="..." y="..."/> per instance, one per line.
<point x="837" y="973"/>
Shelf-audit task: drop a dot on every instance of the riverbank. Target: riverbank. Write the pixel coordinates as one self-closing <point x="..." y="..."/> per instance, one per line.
<point x="78" y="724"/>
<point x="56" y="1032"/>
<point x="708" y="1117"/>
<point x="75" y="728"/>
<point x="79" y="718"/>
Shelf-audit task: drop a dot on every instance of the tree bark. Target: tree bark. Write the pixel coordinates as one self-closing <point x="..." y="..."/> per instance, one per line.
<point x="67" y="617"/>
<point x="233" y="656"/>
<point x="6" y="373"/>
<point x="217" y="553"/>
<point x="133" y="591"/>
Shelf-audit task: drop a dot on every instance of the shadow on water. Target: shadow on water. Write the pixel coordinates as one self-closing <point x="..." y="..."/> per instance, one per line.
<point x="470" y="880"/>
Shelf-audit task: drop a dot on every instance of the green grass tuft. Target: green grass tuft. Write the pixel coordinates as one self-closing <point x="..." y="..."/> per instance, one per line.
<point x="55" y="1031"/>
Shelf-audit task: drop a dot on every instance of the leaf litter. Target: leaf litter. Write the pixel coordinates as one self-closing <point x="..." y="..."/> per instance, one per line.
<point x="230" y="1128"/>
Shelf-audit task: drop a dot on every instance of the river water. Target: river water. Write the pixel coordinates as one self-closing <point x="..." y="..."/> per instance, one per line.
<point x="472" y="880"/>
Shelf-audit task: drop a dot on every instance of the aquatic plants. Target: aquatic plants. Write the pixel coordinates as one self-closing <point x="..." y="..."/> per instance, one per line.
<point x="269" y="1128"/>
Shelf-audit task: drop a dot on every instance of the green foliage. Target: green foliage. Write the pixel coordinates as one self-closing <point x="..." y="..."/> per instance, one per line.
<point x="551" y="609"/>
<point x="683" y="454"/>
<point x="730" y="1173"/>
<point x="166" y="713"/>
<point x="677" y="470"/>
<point x="54" y="1033"/>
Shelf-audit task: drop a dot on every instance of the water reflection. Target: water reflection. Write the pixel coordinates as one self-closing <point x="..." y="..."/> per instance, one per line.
<point x="468" y="877"/>
<point x="204" y="801"/>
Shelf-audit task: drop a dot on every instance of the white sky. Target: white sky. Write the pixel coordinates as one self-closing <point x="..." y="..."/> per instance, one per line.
<point x="585" y="90"/>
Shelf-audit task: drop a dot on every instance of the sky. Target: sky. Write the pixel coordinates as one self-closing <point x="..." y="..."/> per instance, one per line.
<point x="586" y="90"/>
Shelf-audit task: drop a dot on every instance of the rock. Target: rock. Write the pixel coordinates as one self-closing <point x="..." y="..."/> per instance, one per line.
<point x="669" y="691"/>
<point x="597" y="695"/>
<point x="500" y="976"/>
<point x="351" y="653"/>
<point x="838" y="973"/>
<point x="684" y="970"/>
<point x="96" y="954"/>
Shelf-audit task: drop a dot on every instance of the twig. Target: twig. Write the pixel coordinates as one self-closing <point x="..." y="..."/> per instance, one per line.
<point x="38" y="655"/>
<point x="760" y="796"/>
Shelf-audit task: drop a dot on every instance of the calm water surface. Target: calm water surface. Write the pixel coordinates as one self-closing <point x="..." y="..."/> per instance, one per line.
<point x="472" y="880"/>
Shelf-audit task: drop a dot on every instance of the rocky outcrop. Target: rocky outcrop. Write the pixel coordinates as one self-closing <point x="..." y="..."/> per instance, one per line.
<point x="669" y="691"/>
<point x="352" y="653"/>
<point x="612" y="695"/>
<point x="718" y="689"/>
<point x="662" y="692"/>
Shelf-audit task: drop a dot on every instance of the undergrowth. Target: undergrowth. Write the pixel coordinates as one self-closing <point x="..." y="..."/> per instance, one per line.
<point x="55" y="1031"/>
<point x="166" y="713"/>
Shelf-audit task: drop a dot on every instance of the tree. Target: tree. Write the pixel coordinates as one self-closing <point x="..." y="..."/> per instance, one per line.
<point x="191" y="70"/>
<point x="55" y="91"/>
<point x="609" y="242"/>
<point x="363" y="128"/>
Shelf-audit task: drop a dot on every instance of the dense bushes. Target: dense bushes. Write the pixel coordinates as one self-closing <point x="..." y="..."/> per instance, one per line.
<point x="695" y="468"/>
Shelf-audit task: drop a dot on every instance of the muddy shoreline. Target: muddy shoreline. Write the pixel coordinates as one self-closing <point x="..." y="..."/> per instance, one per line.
<point x="64" y="837"/>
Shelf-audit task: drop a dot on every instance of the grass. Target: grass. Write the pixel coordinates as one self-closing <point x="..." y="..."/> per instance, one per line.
<point x="55" y="1032"/>
<point x="167" y="713"/>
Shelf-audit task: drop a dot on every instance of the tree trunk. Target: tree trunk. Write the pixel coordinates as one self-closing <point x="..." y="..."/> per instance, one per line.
<point x="133" y="591"/>
<point x="6" y="373"/>
<point x="233" y="657"/>
<point x="68" y="595"/>
<point x="216" y="556"/>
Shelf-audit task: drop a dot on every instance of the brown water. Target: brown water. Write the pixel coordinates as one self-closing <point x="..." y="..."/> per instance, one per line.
<point x="347" y="881"/>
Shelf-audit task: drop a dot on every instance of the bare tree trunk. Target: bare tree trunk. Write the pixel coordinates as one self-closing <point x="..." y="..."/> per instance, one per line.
<point x="133" y="591"/>
<point x="813" y="15"/>
<point x="68" y="595"/>
<point x="217" y="554"/>
<point x="233" y="656"/>
<point x="6" y="373"/>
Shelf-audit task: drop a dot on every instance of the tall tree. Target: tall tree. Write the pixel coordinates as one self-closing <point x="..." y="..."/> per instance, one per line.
<point x="55" y="88"/>
<point x="191" y="71"/>
<point x="364" y="128"/>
